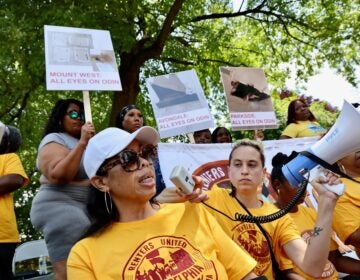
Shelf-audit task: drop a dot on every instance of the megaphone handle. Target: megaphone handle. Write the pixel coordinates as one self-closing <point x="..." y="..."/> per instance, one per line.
<point x="338" y="188"/>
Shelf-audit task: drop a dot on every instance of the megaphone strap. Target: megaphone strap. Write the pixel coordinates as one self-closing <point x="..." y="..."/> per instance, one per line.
<point x="328" y="165"/>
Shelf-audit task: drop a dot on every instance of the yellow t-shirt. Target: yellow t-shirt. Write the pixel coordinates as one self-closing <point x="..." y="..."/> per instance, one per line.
<point x="347" y="211"/>
<point x="181" y="241"/>
<point x="305" y="219"/>
<point x="9" y="164"/>
<point x="249" y="237"/>
<point x="303" y="129"/>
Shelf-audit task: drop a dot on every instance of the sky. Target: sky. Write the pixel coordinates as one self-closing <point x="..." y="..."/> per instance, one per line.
<point x="330" y="87"/>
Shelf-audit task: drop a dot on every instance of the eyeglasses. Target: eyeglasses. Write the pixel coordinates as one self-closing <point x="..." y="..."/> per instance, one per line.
<point x="74" y="115"/>
<point x="130" y="160"/>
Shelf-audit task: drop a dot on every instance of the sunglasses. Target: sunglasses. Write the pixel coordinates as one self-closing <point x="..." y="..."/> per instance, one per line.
<point x="130" y="160"/>
<point x="74" y="115"/>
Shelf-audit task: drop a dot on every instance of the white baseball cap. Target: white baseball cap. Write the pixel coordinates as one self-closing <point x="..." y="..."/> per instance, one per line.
<point x="110" y="141"/>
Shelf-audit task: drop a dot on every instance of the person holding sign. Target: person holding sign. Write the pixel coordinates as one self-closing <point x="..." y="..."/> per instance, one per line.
<point x="130" y="118"/>
<point x="221" y="135"/>
<point x="202" y="136"/>
<point x="301" y="122"/>
<point x="59" y="209"/>
<point x="139" y="239"/>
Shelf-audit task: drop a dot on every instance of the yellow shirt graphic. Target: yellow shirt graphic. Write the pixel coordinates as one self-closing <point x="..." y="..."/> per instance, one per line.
<point x="181" y="241"/>
<point x="249" y="237"/>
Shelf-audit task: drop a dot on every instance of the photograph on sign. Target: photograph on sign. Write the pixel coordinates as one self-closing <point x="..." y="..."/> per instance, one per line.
<point x="248" y="99"/>
<point x="80" y="59"/>
<point x="179" y="103"/>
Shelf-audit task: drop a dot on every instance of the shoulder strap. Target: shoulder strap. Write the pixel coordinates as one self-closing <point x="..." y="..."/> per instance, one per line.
<point x="327" y="165"/>
<point x="274" y="263"/>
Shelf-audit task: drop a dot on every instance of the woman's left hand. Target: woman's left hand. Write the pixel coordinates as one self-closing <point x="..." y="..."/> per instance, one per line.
<point x="198" y="194"/>
<point x="174" y="195"/>
<point x="324" y="183"/>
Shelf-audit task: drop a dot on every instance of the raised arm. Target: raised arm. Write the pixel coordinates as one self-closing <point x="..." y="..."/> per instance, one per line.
<point x="312" y="257"/>
<point x="59" y="164"/>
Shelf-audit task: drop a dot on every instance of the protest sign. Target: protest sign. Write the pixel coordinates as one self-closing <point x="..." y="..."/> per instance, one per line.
<point x="179" y="103"/>
<point x="80" y="59"/>
<point x="248" y="98"/>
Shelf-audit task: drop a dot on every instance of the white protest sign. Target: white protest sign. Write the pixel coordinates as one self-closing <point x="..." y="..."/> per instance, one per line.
<point x="248" y="98"/>
<point x="179" y="103"/>
<point x="80" y="59"/>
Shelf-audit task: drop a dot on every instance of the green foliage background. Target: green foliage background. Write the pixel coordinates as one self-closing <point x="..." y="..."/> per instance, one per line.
<point x="158" y="37"/>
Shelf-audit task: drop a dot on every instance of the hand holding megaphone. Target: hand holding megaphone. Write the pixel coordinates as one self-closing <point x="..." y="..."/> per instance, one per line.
<point x="324" y="180"/>
<point x="342" y="139"/>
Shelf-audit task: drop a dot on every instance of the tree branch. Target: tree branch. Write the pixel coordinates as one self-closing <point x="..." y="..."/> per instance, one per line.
<point x="178" y="61"/>
<point x="229" y="15"/>
<point x="157" y="47"/>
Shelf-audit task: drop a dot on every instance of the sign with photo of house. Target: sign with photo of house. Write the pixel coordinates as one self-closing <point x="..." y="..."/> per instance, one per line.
<point x="80" y="59"/>
<point x="179" y="103"/>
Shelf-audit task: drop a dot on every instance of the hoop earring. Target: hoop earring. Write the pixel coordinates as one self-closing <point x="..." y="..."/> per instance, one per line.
<point x="108" y="209"/>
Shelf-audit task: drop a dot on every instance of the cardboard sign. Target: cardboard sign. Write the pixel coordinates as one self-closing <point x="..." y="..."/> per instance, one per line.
<point x="179" y="103"/>
<point x="248" y="98"/>
<point x="80" y="59"/>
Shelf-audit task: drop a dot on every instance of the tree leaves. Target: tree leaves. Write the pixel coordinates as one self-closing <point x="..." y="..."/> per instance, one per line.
<point x="158" y="37"/>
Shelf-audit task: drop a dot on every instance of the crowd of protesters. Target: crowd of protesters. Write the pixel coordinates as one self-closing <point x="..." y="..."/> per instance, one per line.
<point x="104" y="192"/>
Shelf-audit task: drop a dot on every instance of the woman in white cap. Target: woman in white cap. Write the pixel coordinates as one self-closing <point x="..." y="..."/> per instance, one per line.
<point x="133" y="238"/>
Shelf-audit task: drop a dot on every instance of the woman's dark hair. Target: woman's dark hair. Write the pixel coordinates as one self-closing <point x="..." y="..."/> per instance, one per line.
<point x="98" y="213"/>
<point x="215" y="132"/>
<point x="278" y="161"/>
<point x="121" y="115"/>
<point x="98" y="210"/>
<point x="55" y="122"/>
<point x="291" y="112"/>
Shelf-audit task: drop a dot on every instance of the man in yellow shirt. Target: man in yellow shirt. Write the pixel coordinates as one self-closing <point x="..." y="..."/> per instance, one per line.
<point x="12" y="177"/>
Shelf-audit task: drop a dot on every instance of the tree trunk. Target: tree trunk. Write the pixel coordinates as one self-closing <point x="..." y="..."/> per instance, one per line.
<point x="129" y="72"/>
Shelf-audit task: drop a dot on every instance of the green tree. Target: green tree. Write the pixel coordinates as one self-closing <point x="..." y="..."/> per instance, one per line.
<point x="157" y="37"/>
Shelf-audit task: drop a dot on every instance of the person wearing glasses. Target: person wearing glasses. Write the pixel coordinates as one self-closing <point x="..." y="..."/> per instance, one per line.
<point x="130" y="118"/>
<point x="134" y="238"/>
<point x="59" y="209"/>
